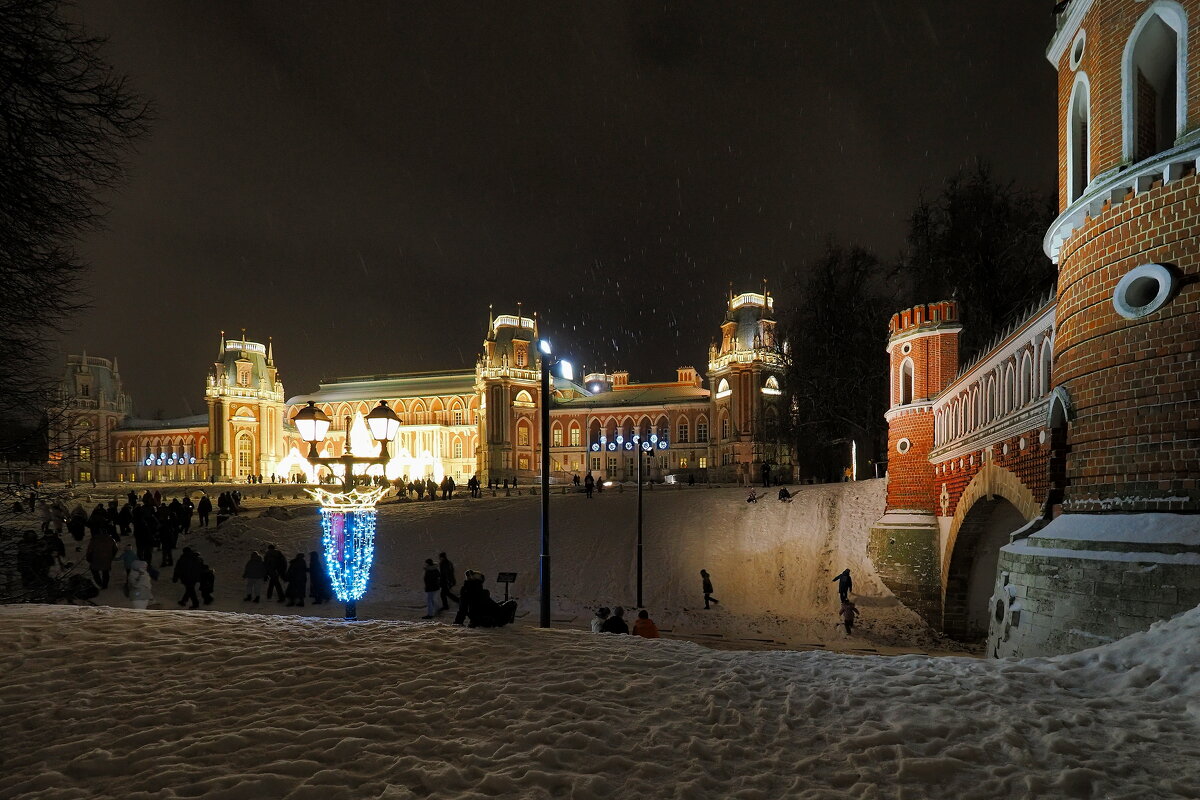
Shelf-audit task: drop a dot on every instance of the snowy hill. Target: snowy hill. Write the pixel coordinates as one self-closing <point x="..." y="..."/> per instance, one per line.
<point x="113" y="703"/>
<point x="771" y="562"/>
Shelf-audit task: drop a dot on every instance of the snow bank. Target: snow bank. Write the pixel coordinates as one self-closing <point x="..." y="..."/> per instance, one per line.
<point x="107" y="703"/>
<point x="772" y="563"/>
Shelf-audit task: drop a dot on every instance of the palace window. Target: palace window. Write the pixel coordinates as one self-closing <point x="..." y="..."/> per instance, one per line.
<point x="85" y="476"/>
<point x="703" y="462"/>
<point x="85" y="389"/>
<point x="1078" y="149"/>
<point x="702" y="431"/>
<point x="724" y="427"/>
<point x="612" y="466"/>
<point x="245" y="454"/>
<point x="458" y="448"/>
<point x="523" y="435"/>
<point x="683" y="433"/>
<point x="576" y="436"/>
<point x="523" y="463"/>
<point x="85" y="452"/>
<point x="458" y="417"/>
<point x="520" y="356"/>
<point x="556" y="439"/>
<point x="906" y="382"/>
<point x="596" y="464"/>
<point x="683" y="462"/>
<point x="1152" y="70"/>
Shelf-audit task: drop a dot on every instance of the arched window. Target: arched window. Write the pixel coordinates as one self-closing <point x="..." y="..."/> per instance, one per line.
<point x="724" y="426"/>
<point x="576" y="435"/>
<point x="1044" y="373"/>
<point x="1026" y="380"/>
<point x="556" y="435"/>
<point x="1154" y="78"/>
<point x="906" y="382"/>
<point x="1079" y="116"/>
<point x="1010" y="389"/>
<point x="682" y="430"/>
<point x="976" y="409"/>
<point x="523" y="397"/>
<point x="702" y="429"/>
<point x="523" y="433"/>
<point x="458" y="449"/>
<point x="991" y="398"/>
<point x="937" y="428"/>
<point x="723" y="388"/>
<point x="245" y="454"/>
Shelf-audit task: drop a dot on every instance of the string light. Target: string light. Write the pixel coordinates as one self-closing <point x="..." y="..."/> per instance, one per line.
<point x="348" y="538"/>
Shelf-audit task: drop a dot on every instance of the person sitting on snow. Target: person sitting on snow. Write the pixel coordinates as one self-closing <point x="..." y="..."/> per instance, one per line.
<point x="784" y="495"/>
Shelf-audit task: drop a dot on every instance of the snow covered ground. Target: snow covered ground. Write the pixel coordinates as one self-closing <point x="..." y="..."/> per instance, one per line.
<point x="115" y="703"/>
<point x="772" y="563"/>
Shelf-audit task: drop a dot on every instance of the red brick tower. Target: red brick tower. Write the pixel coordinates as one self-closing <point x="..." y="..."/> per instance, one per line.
<point x="1127" y="342"/>
<point x="923" y="352"/>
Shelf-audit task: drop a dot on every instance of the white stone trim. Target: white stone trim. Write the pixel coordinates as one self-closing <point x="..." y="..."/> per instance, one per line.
<point x="1124" y="303"/>
<point x="1115" y="187"/>
<point x="1081" y="81"/>
<point x="1066" y="32"/>
<point x="937" y="329"/>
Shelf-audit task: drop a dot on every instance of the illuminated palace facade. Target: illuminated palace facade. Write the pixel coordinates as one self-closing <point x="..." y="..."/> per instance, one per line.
<point x="482" y="421"/>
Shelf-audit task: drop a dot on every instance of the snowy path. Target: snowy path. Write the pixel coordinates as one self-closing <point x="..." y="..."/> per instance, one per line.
<point x="108" y="703"/>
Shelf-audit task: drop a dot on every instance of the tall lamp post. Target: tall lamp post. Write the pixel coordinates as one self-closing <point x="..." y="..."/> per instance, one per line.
<point x="548" y="363"/>
<point x="348" y="517"/>
<point x="644" y="448"/>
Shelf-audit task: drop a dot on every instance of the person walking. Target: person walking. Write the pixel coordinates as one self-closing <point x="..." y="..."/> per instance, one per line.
<point x="589" y="485"/>
<point x="598" y="621"/>
<point x="848" y="613"/>
<point x="203" y="509"/>
<point x="253" y="573"/>
<point x="449" y="580"/>
<point x="101" y="551"/>
<point x="845" y="585"/>
<point x="141" y="590"/>
<point x="644" y="626"/>
<point x="276" y="567"/>
<point x="297" y="581"/>
<point x="766" y="475"/>
<point x="208" y="580"/>
<point x="145" y="531"/>
<point x="616" y="623"/>
<point x="433" y="582"/>
<point x="127" y="558"/>
<point x="187" y="572"/>
<point x="168" y="538"/>
<point x="125" y="518"/>
<point x="471" y="594"/>
<point x="706" y="585"/>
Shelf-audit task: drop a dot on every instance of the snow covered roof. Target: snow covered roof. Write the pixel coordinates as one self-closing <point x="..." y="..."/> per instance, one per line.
<point x="378" y="387"/>
<point x="634" y="395"/>
<point x="133" y="424"/>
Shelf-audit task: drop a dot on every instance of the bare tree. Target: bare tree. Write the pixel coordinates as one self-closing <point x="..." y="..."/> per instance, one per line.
<point x="67" y="120"/>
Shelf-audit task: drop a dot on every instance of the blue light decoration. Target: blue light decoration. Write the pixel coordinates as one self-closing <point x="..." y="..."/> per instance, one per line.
<point x="192" y="460"/>
<point x="612" y="445"/>
<point x="348" y="539"/>
<point x="595" y="447"/>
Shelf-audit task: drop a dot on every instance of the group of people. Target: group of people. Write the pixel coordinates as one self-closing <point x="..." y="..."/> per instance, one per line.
<point x="613" y="621"/>
<point x="422" y="488"/>
<point x="303" y="578"/>
<point x="476" y="608"/>
<point x="784" y="495"/>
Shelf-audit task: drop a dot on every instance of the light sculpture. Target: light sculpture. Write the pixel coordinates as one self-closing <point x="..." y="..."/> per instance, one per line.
<point x="348" y="516"/>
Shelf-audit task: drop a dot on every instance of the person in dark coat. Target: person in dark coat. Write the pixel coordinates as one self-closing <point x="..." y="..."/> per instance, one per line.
<point x="589" y="484"/>
<point x="706" y="585"/>
<point x="101" y="551"/>
<point x="168" y="538"/>
<point x="203" y="509"/>
<point x="187" y="572"/>
<point x="433" y="582"/>
<point x="449" y="580"/>
<point x="616" y="623"/>
<point x="470" y="594"/>
<point x="276" y="568"/>
<point x="188" y="509"/>
<point x="318" y="579"/>
<point x="145" y="531"/>
<point x="208" y="580"/>
<point x="125" y="518"/>
<point x="845" y="585"/>
<point x="297" y="581"/>
<point x="848" y="613"/>
<point x="253" y="573"/>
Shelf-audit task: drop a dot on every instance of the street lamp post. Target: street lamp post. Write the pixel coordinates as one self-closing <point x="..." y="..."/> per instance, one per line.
<point x="644" y="448"/>
<point x="548" y="363"/>
<point x="348" y="517"/>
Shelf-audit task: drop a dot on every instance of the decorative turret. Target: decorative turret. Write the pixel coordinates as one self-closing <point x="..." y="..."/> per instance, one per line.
<point x="507" y="378"/>
<point x="246" y="409"/>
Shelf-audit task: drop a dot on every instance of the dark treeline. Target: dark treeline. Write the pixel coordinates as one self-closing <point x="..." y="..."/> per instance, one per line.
<point x="978" y="242"/>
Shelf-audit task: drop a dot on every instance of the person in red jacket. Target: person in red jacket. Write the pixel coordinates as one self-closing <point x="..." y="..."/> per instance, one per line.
<point x="644" y="626"/>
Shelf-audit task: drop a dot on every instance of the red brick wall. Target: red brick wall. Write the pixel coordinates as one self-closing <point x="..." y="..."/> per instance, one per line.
<point x="1135" y="384"/>
<point x="1029" y="465"/>
<point x="1108" y="24"/>
<point x="910" y="476"/>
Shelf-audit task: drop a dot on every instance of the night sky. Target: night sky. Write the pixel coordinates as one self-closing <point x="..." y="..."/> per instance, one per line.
<point x="360" y="180"/>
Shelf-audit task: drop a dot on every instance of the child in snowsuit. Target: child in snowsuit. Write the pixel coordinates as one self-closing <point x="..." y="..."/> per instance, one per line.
<point x="644" y="626"/>
<point x="140" y="591"/>
<point x="848" y="613"/>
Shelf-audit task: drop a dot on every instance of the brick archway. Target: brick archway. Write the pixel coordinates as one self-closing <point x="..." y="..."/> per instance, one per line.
<point x="991" y="481"/>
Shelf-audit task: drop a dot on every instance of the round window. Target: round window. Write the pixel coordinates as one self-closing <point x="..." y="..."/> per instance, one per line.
<point x="1077" y="48"/>
<point x="1143" y="291"/>
<point x="903" y="446"/>
<point x="906" y="348"/>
